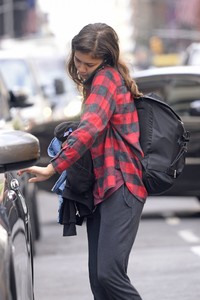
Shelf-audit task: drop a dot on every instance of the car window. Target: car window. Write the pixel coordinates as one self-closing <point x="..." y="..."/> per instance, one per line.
<point x="49" y="69"/>
<point x="182" y="94"/>
<point x="4" y="111"/>
<point x="49" y="66"/>
<point x="17" y="75"/>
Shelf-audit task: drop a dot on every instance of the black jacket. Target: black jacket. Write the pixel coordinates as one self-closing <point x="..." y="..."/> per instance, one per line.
<point x="77" y="195"/>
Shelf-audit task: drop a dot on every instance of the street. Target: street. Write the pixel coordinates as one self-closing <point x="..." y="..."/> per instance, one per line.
<point x="164" y="263"/>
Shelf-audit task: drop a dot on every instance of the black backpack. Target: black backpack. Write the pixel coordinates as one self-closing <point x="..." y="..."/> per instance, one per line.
<point x="163" y="139"/>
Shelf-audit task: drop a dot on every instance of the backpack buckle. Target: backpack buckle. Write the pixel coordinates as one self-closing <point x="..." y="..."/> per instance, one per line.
<point x="175" y="173"/>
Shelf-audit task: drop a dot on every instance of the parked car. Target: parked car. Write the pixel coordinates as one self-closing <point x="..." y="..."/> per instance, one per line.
<point x="21" y="81"/>
<point x="8" y="122"/>
<point x="35" y="73"/>
<point x="179" y="86"/>
<point x="47" y="62"/>
<point x="17" y="150"/>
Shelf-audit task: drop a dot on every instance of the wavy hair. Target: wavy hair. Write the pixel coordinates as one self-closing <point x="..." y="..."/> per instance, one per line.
<point x="100" y="41"/>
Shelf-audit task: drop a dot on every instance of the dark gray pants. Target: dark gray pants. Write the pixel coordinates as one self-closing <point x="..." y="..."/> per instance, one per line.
<point x="111" y="234"/>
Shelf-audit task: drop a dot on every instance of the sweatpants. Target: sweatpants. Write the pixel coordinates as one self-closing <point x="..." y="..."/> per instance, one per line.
<point x="111" y="233"/>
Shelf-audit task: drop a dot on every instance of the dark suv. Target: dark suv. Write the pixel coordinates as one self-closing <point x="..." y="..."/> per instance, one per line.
<point x="180" y="88"/>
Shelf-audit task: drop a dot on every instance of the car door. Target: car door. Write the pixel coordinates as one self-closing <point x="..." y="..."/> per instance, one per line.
<point x="17" y="230"/>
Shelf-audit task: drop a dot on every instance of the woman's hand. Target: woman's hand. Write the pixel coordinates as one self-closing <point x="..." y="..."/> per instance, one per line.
<point x="41" y="173"/>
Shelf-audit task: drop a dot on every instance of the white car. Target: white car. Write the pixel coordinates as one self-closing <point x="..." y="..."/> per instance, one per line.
<point x="20" y="80"/>
<point x="47" y="64"/>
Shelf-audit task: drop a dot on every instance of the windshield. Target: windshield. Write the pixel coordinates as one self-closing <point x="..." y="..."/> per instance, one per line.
<point x="17" y="75"/>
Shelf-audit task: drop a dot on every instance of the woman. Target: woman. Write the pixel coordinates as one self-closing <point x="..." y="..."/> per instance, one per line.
<point x="109" y="128"/>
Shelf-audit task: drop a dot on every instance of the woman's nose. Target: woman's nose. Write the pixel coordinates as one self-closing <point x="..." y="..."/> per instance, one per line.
<point x="82" y="68"/>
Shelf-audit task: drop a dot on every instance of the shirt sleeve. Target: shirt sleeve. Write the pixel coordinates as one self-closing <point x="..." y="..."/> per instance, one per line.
<point x="97" y="111"/>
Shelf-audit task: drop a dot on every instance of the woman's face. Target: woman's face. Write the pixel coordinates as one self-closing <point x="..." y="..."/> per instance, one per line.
<point x="86" y="64"/>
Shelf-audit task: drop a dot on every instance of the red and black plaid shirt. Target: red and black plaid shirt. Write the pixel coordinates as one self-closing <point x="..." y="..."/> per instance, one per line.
<point x="109" y="128"/>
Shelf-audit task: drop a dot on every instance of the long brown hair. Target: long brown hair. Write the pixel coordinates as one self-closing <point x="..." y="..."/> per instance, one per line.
<point x="101" y="41"/>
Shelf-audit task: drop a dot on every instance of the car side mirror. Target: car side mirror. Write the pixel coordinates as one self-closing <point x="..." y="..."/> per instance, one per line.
<point x="19" y="99"/>
<point x="18" y="150"/>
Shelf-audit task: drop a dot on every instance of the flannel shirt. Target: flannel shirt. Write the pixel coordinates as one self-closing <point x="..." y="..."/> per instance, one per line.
<point x="109" y="128"/>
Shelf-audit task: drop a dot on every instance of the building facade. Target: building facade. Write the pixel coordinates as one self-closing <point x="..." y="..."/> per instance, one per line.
<point x="172" y="23"/>
<point x="17" y="18"/>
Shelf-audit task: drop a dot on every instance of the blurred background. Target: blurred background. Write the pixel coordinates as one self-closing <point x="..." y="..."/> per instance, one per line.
<point x="160" y="41"/>
<point x="152" y="32"/>
<point x="35" y="38"/>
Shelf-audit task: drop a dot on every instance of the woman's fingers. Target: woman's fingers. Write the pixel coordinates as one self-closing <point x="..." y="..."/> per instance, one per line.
<point x="40" y="173"/>
<point x="20" y="172"/>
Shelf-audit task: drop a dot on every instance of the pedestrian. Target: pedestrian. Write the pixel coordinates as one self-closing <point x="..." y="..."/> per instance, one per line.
<point x="109" y="129"/>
